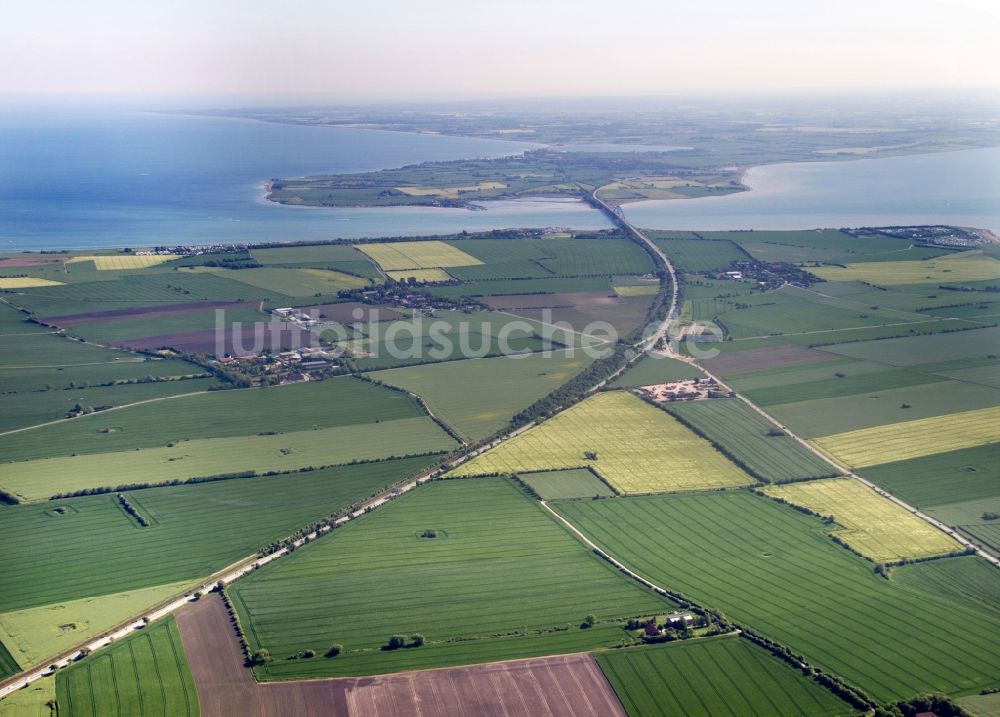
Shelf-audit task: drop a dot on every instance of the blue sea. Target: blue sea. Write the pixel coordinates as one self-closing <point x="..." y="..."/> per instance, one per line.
<point x="78" y="178"/>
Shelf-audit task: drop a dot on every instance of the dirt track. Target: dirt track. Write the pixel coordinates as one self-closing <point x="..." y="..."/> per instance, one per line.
<point x="570" y="685"/>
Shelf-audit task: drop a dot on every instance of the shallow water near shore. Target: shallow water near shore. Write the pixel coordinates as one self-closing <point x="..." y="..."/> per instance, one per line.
<point x="960" y="188"/>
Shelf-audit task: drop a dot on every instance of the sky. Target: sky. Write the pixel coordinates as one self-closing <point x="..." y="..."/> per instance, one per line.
<point x="438" y="49"/>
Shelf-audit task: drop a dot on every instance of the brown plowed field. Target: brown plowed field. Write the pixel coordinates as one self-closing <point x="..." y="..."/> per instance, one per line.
<point x="344" y="313"/>
<point x="31" y="261"/>
<point x="570" y="685"/>
<point x="131" y="313"/>
<point x="204" y="342"/>
<point x="735" y="362"/>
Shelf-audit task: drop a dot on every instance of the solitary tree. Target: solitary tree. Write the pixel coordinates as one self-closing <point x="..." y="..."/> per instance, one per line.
<point x="260" y="657"/>
<point x="416" y="640"/>
<point x="334" y="650"/>
<point x="396" y="642"/>
<point x="588" y="621"/>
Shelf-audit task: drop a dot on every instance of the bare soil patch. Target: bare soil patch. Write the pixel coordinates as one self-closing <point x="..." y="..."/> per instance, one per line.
<point x="570" y="685"/>
<point x="31" y="261"/>
<point x="187" y="308"/>
<point x="755" y="359"/>
<point x="237" y="343"/>
<point x="344" y="313"/>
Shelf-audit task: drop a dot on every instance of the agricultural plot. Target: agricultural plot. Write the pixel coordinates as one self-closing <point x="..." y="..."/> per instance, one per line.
<point x="145" y="674"/>
<point x="34" y="634"/>
<point x="874" y="526"/>
<point x="474" y="566"/>
<point x="587" y="255"/>
<point x="22" y="379"/>
<point x="969" y="474"/>
<point x="42" y="478"/>
<point x="19" y="410"/>
<point x="790" y="310"/>
<point x="713" y="678"/>
<point x="842" y="380"/>
<point x="951" y="268"/>
<point x="478" y="397"/>
<point x="913" y="350"/>
<point x="653" y="369"/>
<point x="31" y="701"/>
<point x="310" y="254"/>
<point x="740" y="360"/>
<point x="92" y="548"/>
<point x="120" y="262"/>
<point x="699" y="255"/>
<point x="8" y="665"/>
<point x="504" y="287"/>
<point x="913" y="439"/>
<point x="773" y="568"/>
<point x="578" y="310"/>
<point x="635" y="447"/>
<point x="43" y="350"/>
<point x="295" y="282"/>
<point x="825" y="416"/>
<point x="25" y="282"/>
<point x="118" y="331"/>
<point x="521" y="688"/>
<point x="423" y="275"/>
<point x="431" y="254"/>
<point x="809" y="245"/>
<point x="637" y="290"/>
<point x="752" y="440"/>
<point x="248" y="412"/>
<point x="573" y="483"/>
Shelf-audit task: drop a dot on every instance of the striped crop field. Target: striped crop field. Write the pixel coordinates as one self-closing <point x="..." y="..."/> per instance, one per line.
<point x="873" y="525"/>
<point x="746" y="435"/>
<point x="913" y="439"/>
<point x="145" y="674"/>
<point x="393" y="256"/>
<point x="118" y="262"/>
<point x="475" y="566"/>
<point x="632" y="445"/>
<point x="40" y="479"/>
<point x="774" y="569"/>
<point x="717" y="677"/>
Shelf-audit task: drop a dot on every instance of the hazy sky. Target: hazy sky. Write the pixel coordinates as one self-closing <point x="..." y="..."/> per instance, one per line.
<point x="442" y="48"/>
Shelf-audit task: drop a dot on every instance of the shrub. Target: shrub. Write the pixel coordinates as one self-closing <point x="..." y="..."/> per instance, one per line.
<point x="334" y="650"/>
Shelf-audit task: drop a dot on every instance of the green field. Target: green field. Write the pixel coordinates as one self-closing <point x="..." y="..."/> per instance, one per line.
<point x="791" y="310"/>
<point x="698" y="255"/>
<point x="913" y="350"/>
<point x="479" y="397"/>
<point x="633" y="446"/>
<point x="278" y="409"/>
<point x="8" y="664"/>
<point x="653" y="369"/>
<point x="873" y="525"/>
<point x="500" y="579"/>
<point x="38" y="633"/>
<point x="93" y="548"/>
<point x="113" y="331"/>
<point x="854" y="378"/>
<point x="31" y="701"/>
<point x="952" y="476"/>
<point x="146" y="674"/>
<point x="54" y="378"/>
<point x="19" y="410"/>
<point x="951" y="268"/>
<point x="773" y="568"/>
<point x="713" y="678"/>
<point x="914" y="439"/>
<point x="505" y="287"/>
<point x="42" y="478"/>
<point x="884" y="407"/>
<point x="573" y="483"/>
<point x="745" y="435"/>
